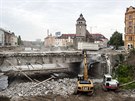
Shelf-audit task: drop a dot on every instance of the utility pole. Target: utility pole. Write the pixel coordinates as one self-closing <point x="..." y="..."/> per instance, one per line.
<point x="47" y="32"/>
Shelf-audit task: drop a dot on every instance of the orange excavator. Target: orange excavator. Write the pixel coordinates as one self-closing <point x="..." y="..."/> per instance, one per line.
<point x="84" y="84"/>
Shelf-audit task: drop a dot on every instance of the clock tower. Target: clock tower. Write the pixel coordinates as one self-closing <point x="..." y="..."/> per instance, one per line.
<point x="81" y="26"/>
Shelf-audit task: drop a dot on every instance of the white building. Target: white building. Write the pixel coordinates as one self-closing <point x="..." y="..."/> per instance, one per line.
<point x="2" y="37"/>
<point x="7" y="38"/>
<point x="100" y="39"/>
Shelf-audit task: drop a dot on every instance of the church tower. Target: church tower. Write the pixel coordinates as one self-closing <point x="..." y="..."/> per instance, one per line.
<point x="81" y="26"/>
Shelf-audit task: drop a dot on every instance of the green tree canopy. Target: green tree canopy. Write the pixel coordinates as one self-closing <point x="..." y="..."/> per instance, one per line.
<point x="19" y="40"/>
<point x="116" y="40"/>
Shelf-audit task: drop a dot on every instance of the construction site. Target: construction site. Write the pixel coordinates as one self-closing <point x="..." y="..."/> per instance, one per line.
<point x="53" y="76"/>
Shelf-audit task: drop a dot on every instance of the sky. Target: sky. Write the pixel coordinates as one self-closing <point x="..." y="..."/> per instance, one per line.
<point x="31" y="18"/>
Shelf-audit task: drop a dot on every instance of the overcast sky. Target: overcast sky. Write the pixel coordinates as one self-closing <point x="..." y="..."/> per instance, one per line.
<point x="32" y="18"/>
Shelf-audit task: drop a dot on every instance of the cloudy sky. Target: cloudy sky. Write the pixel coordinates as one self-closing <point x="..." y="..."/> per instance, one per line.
<point x="32" y="18"/>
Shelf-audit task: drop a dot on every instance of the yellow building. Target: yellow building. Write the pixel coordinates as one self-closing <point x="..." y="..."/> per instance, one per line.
<point x="130" y="28"/>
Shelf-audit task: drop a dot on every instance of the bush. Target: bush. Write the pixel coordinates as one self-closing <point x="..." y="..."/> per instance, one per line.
<point x="125" y="73"/>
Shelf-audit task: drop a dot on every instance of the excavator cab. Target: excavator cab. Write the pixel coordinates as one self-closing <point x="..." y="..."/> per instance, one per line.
<point x="80" y="77"/>
<point x="84" y="84"/>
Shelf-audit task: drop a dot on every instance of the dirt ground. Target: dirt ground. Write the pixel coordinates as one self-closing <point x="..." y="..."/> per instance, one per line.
<point x="99" y="95"/>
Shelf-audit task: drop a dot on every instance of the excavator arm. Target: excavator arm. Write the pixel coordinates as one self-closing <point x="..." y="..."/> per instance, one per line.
<point x="85" y="65"/>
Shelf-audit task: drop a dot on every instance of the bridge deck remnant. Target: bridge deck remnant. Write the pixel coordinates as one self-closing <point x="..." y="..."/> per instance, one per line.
<point x="37" y="60"/>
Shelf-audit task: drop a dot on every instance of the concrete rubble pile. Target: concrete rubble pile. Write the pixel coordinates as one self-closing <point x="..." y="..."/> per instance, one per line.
<point x="63" y="87"/>
<point x="3" y="81"/>
<point x="128" y="93"/>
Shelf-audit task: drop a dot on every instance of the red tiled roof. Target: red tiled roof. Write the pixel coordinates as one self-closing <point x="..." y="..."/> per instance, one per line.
<point x="98" y="36"/>
<point x="65" y="36"/>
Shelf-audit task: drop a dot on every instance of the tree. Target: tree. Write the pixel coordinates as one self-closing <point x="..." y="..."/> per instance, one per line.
<point x="19" y="40"/>
<point x="116" y="40"/>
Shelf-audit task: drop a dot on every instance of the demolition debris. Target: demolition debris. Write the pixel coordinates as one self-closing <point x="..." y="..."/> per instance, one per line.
<point x="3" y="81"/>
<point x="63" y="87"/>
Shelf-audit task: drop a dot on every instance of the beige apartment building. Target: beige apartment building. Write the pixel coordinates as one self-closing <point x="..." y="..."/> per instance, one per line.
<point x="130" y="28"/>
<point x="49" y="41"/>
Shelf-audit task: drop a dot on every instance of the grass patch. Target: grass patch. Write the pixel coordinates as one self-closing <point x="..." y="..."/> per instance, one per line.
<point x="130" y="86"/>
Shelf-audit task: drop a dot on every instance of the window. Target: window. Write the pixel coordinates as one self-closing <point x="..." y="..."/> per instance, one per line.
<point x="130" y="31"/>
<point x="130" y="38"/>
<point x="131" y="46"/>
<point x="130" y="17"/>
<point x="108" y="79"/>
<point x="130" y="23"/>
<point x="85" y="82"/>
<point x="80" y="22"/>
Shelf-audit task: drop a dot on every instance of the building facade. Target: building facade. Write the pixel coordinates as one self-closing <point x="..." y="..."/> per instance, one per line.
<point x="2" y="38"/>
<point x="81" y="35"/>
<point x="65" y="40"/>
<point x="130" y="28"/>
<point x="13" y="40"/>
<point x="62" y="41"/>
<point x="7" y="38"/>
<point x="49" y="41"/>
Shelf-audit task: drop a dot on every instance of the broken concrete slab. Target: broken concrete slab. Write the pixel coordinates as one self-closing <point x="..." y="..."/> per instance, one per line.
<point x="3" y="81"/>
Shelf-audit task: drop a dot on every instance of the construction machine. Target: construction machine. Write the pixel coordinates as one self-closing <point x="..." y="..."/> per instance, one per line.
<point x="84" y="84"/>
<point x="109" y="83"/>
